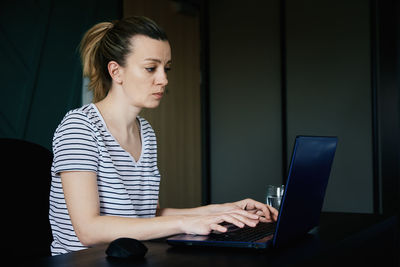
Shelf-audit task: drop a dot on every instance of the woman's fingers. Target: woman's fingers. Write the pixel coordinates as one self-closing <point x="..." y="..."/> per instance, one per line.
<point x="218" y="227"/>
<point x="245" y="213"/>
<point x="274" y="212"/>
<point x="268" y="212"/>
<point x="246" y="220"/>
<point x="232" y="218"/>
<point x="253" y="213"/>
<point x="235" y="219"/>
<point x="264" y="208"/>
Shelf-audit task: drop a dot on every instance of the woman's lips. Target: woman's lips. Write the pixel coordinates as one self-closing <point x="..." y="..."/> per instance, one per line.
<point x="158" y="95"/>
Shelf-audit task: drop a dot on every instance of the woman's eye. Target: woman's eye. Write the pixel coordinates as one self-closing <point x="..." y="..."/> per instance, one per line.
<point x="150" y="69"/>
<point x="167" y="69"/>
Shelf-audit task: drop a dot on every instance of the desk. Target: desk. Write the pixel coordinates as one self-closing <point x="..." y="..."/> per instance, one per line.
<point x="362" y="239"/>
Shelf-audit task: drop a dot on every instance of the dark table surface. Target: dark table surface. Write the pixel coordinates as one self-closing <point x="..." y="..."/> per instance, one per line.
<point x="341" y="239"/>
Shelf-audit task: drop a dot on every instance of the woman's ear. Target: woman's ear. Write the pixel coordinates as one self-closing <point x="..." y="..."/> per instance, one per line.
<point x="115" y="71"/>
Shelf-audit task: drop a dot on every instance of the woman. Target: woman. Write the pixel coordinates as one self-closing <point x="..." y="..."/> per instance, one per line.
<point x="105" y="179"/>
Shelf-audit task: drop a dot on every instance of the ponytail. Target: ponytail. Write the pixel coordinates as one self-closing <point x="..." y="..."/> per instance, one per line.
<point x="91" y="68"/>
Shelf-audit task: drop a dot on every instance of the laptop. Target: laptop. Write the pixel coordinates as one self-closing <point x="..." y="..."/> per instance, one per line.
<point x="300" y="208"/>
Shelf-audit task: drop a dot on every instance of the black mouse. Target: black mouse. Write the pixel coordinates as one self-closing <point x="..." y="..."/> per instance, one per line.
<point x="126" y="248"/>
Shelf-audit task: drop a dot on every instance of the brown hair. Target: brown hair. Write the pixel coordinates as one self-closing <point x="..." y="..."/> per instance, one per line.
<point x="110" y="41"/>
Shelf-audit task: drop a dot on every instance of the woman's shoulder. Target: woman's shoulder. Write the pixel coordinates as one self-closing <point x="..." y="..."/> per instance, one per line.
<point x="145" y="126"/>
<point x="84" y="116"/>
<point x="86" y="111"/>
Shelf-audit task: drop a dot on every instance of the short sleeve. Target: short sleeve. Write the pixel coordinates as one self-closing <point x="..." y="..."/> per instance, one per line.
<point x="74" y="145"/>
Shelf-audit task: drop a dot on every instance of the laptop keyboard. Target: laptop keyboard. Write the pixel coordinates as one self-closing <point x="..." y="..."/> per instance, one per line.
<point x="245" y="234"/>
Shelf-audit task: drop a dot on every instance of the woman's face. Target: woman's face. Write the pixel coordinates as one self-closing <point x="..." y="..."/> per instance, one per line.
<point x="144" y="76"/>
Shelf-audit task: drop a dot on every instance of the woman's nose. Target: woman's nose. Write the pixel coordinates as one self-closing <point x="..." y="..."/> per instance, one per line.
<point x="162" y="78"/>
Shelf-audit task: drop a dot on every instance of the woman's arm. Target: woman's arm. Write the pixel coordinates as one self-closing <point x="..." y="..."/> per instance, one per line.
<point x="82" y="199"/>
<point x="265" y="212"/>
<point x="203" y="210"/>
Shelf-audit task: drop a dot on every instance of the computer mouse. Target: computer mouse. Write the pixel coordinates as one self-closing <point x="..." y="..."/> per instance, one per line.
<point x="126" y="248"/>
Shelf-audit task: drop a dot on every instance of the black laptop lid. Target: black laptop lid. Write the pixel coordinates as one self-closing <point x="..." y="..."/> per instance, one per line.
<point x="305" y="187"/>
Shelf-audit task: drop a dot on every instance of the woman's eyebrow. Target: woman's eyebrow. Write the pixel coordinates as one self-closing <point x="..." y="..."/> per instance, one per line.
<point x="157" y="60"/>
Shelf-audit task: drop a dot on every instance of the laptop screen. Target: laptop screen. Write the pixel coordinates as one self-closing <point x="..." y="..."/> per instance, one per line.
<point x="308" y="176"/>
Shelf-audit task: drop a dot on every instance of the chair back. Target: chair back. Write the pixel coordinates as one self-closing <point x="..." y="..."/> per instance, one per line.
<point x="26" y="178"/>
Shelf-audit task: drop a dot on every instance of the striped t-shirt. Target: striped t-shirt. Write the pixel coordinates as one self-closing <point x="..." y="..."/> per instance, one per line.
<point x="126" y="188"/>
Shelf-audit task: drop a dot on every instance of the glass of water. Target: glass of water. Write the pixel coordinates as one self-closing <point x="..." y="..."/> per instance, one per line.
<point x="274" y="195"/>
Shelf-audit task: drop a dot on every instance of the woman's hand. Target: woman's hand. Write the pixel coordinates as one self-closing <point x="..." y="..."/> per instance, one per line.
<point x="205" y="224"/>
<point x="245" y="212"/>
<point x="265" y="212"/>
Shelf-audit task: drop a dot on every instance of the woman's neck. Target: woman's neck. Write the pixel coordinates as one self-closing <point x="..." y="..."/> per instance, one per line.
<point x="118" y="114"/>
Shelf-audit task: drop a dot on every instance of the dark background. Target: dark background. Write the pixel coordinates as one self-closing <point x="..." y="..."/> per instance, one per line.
<point x="271" y="69"/>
